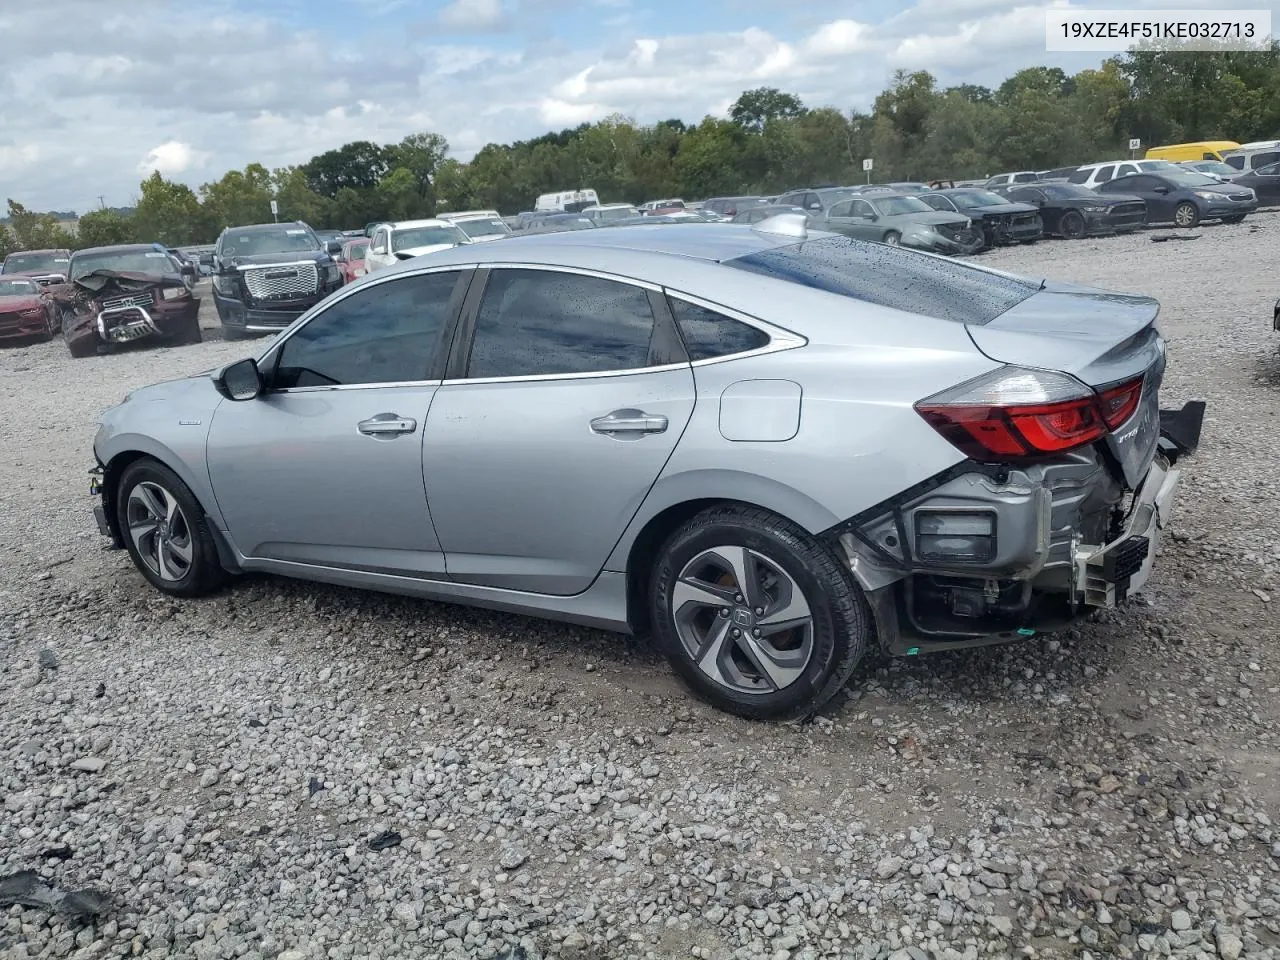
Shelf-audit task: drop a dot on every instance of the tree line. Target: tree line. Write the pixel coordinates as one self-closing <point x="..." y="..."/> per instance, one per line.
<point x="1039" y="117"/>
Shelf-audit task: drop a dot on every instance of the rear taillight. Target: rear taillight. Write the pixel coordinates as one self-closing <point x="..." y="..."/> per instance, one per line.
<point x="1016" y="413"/>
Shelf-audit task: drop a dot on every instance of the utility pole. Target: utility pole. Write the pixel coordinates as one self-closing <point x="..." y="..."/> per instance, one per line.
<point x="102" y="203"/>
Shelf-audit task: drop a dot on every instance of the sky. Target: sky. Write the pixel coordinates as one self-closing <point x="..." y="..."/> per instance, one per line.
<point x="96" y="95"/>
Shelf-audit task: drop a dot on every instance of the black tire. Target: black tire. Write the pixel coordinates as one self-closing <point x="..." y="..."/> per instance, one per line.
<point x="893" y="238"/>
<point x="190" y="334"/>
<point x="1186" y="215"/>
<point x="825" y="650"/>
<point x="1071" y="226"/>
<point x="1234" y="218"/>
<point x="185" y="529"/>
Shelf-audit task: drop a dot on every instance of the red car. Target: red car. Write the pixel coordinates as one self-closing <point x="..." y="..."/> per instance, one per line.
<point x="351" y="260"/>
<point x="45" y="267"/>
<point x="24" y="312"/>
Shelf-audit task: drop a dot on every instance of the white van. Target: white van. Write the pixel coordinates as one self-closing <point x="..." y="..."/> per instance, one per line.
<point x="568" y="201"/>
<point x="1250" y="156"/>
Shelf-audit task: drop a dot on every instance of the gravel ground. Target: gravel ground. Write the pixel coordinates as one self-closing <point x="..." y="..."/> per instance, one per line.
<point x="292" y="771"/>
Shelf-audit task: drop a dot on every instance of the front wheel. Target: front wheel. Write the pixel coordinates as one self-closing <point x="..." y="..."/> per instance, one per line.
<point x="893" y="238"/>
<point x="1186" y="215"/>
<point x="166" y="531"/>
<point x="1072" y="225"/>
<point x="755" y="615"/>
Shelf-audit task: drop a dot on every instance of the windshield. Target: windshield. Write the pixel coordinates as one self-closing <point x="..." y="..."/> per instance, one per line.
<point x="1215" y="166"/>
<point x="1185" y="178"/>
<point x="413" y="237"/>
<point x="252" y="243"/>
<point x="895" y="206"/>
<point x="1156" y="165"/>
<point x="357" y="250"/>
<point x="483" y="228"/>
<point x="18" y="262"/>
<point x="129" y="261"/>
<point x="977" y="198"/>
<point x="891" y="277"/>
<point x="18" y="288"/>
<point x="1065" y="191"/>
<point x="615" y="213"/>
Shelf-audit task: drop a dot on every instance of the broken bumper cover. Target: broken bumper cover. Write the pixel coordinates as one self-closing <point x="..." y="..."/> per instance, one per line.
<point x="1109" y="573"/>
<point x="985" y="553"/>
<point x="163" y="321"/>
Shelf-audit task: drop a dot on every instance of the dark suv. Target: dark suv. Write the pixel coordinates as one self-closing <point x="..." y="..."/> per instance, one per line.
<point x="267" y="275"/>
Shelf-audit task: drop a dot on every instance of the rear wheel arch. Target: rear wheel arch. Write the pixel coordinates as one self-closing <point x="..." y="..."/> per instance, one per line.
<point x="636" y="553"/>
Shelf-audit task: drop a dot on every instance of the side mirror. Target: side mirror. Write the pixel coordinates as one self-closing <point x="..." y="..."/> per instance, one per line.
<point x="241" y="380"/>
<point x="333" y="246"/>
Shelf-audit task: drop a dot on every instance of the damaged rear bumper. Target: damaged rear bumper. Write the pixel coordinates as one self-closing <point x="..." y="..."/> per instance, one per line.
<point x="985" y="554"/>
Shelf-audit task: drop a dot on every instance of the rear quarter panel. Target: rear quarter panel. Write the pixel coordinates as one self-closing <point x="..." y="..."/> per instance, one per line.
<point x="859" y="439"/>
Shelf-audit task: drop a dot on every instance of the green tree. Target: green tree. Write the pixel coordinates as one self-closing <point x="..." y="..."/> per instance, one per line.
<point x="399" y="197"/>
<point x="705" y="163"/>
<point x="754" y="108"/>
<point x="169" y="213"/>
<point x="35" y="231"/>
<point x="358" y="165"/>
<point x="297" y="201"/>
<point x="239" y="198"/>
<point x="420" y="154"/>
<point x="104" y="228"/>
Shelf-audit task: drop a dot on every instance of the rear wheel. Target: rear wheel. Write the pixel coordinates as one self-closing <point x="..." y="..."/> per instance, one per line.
<point x="755" y="615"/>
<point x="1072" y="225"/>
<point x="893" y="238"/>
<point x="1187" y="214"/>
<point x="166" y="531"/>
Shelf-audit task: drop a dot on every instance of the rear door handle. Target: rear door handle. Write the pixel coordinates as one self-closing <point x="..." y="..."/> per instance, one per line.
<point x="629" y="421"/>
<point x="387" y="423"/>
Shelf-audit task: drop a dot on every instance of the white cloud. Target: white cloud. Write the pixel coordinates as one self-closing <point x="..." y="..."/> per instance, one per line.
<point x="472" y="15"/>
<point x="170" y="159"/>
<point x="248" y="87"/>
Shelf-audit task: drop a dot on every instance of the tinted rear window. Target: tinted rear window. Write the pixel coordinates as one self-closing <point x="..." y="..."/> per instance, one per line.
<point x="891" y="277"/>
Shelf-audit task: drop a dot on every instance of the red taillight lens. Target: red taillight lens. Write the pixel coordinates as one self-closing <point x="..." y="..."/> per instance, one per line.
<point x="1118" y="403"/>
<point x="1016" y="413"/>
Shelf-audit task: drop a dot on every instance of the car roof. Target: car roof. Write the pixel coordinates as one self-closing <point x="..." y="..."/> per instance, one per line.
<point x="123" y="248"/>
<point x="14" y="253"/>
<point x="409" y="224"/>
<point x="263" y="227"/>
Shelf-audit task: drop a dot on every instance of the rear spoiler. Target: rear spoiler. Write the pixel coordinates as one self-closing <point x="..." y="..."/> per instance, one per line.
<point x="1180" y="430"/>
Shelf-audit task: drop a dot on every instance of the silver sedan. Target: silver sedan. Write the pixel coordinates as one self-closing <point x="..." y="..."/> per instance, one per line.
<point x="770" y="449"/>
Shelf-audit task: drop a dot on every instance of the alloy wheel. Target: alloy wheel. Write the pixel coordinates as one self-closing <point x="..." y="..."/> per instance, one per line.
<point x="160" y="531"/>
<point x="743" y="620"/>
<point x="1185" y="215"/>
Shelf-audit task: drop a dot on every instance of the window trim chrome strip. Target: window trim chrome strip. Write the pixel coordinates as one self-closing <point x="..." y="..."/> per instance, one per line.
<point x="393" y="384"/>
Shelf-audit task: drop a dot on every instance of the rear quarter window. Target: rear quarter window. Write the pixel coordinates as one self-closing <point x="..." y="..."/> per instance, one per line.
<point x="891" y="277"/>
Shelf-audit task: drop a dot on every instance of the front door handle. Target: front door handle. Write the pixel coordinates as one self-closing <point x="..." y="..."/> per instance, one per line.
<point x="387" y="423"/>
<point x="629" y="421"/>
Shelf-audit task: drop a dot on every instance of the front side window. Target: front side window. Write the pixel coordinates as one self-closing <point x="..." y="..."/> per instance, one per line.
<point x="708" y="334"/>
<point x="1106" y="173"/>
<point x="1264" y="159"/>
<point x="379" y="242"/>
<point x="1236" y="163"/>
<point x="860" y="208"/>
<point x="539" y="322"/>
<point x="1080" y="176"/>
<point x="1271" y="171"/>
<point x="385" y="333"/>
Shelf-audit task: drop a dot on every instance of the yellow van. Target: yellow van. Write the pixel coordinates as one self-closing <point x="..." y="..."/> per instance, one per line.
<point x="1202" y="150"/>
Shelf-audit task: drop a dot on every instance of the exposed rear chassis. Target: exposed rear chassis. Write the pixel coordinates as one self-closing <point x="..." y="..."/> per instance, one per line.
<point x="1069" y="540"/>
